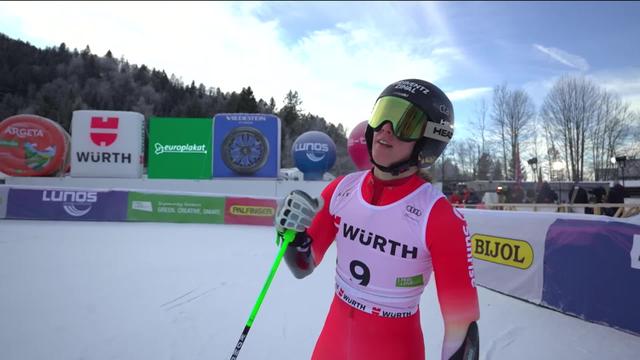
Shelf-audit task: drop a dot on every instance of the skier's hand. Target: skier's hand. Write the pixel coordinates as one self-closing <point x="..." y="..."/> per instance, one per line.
<point x="297" y="211"/>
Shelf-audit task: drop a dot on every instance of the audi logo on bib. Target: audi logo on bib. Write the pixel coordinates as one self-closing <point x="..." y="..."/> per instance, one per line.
<point x="413" y="210"/>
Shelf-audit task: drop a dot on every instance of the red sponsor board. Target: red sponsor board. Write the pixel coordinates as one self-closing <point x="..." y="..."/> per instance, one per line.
<point x="248" y="211"/>
<point x="32" y="145"/>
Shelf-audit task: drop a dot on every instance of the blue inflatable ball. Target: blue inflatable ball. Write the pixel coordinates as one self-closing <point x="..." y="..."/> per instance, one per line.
<point x="314" y="153"/>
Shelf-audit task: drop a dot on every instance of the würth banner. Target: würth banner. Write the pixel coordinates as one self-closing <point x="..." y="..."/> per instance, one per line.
<point x="107" y="144"/>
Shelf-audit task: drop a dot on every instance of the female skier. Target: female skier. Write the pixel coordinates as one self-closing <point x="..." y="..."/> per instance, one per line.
<point x="392" y="230"/>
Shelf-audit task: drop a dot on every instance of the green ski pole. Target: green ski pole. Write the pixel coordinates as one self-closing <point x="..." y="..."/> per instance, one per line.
<point x="287" y="237"/>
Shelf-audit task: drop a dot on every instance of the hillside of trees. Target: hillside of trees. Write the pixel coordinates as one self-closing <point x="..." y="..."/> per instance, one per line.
<point x="572" y="134"/>
<point x="55" y="81"/>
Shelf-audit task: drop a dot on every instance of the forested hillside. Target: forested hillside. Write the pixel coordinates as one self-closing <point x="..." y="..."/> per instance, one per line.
<point x="55" y="81"/>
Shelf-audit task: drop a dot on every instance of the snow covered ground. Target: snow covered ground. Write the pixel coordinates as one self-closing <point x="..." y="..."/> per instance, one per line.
<point x="89" y="290"/>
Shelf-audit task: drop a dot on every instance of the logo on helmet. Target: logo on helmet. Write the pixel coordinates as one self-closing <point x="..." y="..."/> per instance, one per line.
<point x="444" y="109"/>
<point x="411" y="87"/>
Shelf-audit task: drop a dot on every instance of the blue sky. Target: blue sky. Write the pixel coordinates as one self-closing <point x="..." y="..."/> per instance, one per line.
<point x="340" y="55"/>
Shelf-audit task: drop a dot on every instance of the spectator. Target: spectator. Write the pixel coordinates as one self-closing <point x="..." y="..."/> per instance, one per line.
<point x="455" y="198"/>
<point x="546" y="195"/>
<point x="598" y="194"/>
<point x="578" y="195"/>
<point x="472" y="198"/>
<point x="517" y="194"/>
<point x="616" y="196"/>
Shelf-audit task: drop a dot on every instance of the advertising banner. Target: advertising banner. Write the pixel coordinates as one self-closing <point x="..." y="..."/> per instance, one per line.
<point x="32" y="145"/>
<point x="180" y="148"/>
<point x="247" y="211"/>
<point x="107" y="144"/>
<point x="508" y="249"/>
<point x="314" y="153"/>
<point x="67" y="204"/>
<point x="4" y="193"/>
<point x="246" y="145"/>
<point x="592" y="270"/>
<point x="175" y="208"/>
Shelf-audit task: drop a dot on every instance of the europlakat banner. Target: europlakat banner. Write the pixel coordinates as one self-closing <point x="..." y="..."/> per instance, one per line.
<point x="180" y="148"/>
<point x="67" y="204"/>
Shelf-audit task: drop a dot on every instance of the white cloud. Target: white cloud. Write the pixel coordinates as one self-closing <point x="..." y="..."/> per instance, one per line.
<point x="338" y="71"/>
<point x="624" y="82"/>
<point x="564" y="57"/>
<point x="466" y="94"/>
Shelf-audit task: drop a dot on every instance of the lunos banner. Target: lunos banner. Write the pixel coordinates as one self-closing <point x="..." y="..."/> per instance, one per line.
<point x="107" y="144"/>
<point x="246" y="145"/>
<point x="175" y="208"/>
<point x="247" y="211"/>
<point x="180" y="148"/>
<point x="4" y="194"/>
<point x="32" y="145"/>
<point x="67" y="204"/>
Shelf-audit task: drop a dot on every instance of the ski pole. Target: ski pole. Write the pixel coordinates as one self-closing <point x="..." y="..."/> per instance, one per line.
<point x="286" y="238"/>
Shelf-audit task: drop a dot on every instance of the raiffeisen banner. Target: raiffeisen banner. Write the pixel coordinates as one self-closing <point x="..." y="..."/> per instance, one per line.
<point x="246" y="145"/>
<point x="67" y="204"/>
<point x="107" y="144"/>
<point x="180" y="148"/>
<point x="32" y="145"/>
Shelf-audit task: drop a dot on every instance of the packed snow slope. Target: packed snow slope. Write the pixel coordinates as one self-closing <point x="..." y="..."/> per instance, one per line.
<point x="155" y="291"/>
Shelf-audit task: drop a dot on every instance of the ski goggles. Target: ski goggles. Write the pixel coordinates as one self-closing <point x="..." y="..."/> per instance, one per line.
<point x="407" y="120"/>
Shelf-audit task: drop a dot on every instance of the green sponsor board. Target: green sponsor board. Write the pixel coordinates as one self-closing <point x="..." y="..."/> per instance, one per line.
<point x="412" y="281"/>
<point x="175" y="208"/>
<point x="180" y="148"/>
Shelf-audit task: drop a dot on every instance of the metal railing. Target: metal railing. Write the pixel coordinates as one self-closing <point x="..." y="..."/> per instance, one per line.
<point x="623" y="210"/>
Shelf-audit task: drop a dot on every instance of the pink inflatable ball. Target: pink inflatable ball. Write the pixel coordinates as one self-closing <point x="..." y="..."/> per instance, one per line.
<point x="357" y="147"/>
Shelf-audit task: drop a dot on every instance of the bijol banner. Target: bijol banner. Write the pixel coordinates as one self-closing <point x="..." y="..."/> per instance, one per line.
<point x="508" y="251"/>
